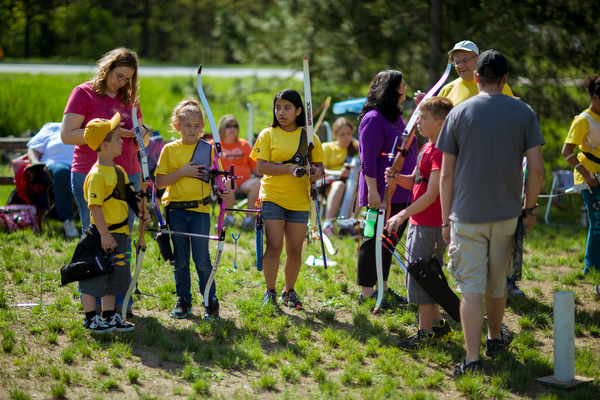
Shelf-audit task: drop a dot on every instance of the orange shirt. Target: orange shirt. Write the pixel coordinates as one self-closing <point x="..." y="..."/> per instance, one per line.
<point x="238" y="154"/>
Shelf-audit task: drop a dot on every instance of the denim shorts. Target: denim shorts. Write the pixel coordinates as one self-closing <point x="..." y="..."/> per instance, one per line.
<point x="275" y="211"/>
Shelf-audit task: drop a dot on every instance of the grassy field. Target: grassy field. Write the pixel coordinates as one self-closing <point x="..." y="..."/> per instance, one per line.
<point x="334" y="349"/>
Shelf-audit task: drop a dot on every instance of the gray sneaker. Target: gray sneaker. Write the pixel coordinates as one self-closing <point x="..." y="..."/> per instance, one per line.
<point x="597" y="291"/>
<point x="270" y="297"/>
<point x="291" y="299"/>
<point x="462" y="368"/>
<point x="181" y="310"/>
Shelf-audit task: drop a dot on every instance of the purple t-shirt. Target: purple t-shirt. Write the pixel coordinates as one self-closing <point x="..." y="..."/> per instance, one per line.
<point x="85" y="101"/>
<point x="376" y="136"/>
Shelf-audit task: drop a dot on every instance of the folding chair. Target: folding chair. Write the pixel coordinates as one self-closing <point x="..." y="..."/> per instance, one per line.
<point x="562" y="181"/>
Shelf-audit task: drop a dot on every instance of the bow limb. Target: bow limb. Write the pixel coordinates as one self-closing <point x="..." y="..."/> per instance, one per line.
<point x="409" y="134"/>
<point x="310" y="135"/>
<point x="213" y="272"/>
<point x="378" y="256"/>
<point x="144" y="183"/>
<point x="217" y="170"/>
<point x="324" y="107"/>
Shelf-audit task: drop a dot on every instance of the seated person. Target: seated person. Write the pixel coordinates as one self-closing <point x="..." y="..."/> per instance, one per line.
<point x="47" y="147"/>
<point x="338" y="155"/>
<point x="237" y="151"/>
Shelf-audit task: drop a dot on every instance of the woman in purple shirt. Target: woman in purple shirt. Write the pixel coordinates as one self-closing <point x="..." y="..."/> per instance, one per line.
<point x="381" y="125"/>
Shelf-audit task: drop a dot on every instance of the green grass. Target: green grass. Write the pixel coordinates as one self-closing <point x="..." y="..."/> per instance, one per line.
<point x="157" y="96"/>
<point x="337" y="350"/>
<point x="334" y="349"/>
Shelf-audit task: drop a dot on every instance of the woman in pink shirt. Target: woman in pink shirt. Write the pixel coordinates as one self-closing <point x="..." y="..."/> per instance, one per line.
<point x="113" y="89"/>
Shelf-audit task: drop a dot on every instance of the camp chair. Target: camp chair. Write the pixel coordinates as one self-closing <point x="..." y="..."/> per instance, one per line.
<point x="562" y="181"/>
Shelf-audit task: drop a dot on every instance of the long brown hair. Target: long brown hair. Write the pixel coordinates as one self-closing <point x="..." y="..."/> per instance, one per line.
<point x="119" y="57"/>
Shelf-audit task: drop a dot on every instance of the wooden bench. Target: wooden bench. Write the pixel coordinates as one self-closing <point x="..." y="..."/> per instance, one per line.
<point x="13" y="145"/>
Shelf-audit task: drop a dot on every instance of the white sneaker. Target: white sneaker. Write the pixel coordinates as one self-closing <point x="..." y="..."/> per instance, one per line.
<point x="70" y="229"/>
<point x="97" y="325"/>
<point x="119" y="325"/>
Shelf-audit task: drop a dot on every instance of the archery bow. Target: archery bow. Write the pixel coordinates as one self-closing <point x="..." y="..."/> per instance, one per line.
<point x="310" y="135"/>
<point x="386" y="204"/>
<point x="144" y="182"/>
<point x="216" y="170"/>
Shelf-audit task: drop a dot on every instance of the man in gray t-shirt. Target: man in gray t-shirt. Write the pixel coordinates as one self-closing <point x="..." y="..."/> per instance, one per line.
<point x="483" y="140"/>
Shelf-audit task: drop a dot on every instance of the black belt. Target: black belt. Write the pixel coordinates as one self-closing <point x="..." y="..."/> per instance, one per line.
<point x="592" y="157"/>
<point x="189" y="204"/>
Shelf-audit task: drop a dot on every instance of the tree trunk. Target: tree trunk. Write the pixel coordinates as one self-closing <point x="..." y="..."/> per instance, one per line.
<point x="435" y="41"/>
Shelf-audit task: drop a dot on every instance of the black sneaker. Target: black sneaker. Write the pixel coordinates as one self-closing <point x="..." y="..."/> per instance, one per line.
<point x="512" y="289"/>
<point x="463" y="368"/>
<point x="394" y="297"/>
<point x="291" y="299"/>
<point x="212" y="311"/>
<point x="384" y="304"/>
<point x="120" y="325"/>
<point x="270" y="297"/>
<point x="97" y="325"/>
<point x="441" y="329"/>
<point x="417" y="342"/>
<point x="494" y="346"/>
<point x="181" y="310"/>
<point x="597" y="291"/>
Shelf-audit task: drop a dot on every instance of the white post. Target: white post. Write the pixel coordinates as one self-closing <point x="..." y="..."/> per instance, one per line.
<point x="564" y="336"/>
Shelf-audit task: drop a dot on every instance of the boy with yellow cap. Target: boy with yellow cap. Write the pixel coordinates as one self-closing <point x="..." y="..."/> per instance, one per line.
<point x="109" y="195"/>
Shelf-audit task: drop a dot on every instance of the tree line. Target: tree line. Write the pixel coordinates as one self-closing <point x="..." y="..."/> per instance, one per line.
<point x="547" y="42"/>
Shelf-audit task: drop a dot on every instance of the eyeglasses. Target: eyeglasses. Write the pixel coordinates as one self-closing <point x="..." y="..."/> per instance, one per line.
<point x="121" y="78"/>
<point x="455" y="62"/>
<point x="231" y="126"/>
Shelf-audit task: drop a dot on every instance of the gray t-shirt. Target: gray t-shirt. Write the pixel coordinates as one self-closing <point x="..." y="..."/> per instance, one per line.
<point x="489" y="135"/>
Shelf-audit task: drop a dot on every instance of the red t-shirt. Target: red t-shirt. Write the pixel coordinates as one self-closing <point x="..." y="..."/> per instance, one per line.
<point x="238" y="154"/>
<point x="85" y="101"/>
<point x="429" y="159"/>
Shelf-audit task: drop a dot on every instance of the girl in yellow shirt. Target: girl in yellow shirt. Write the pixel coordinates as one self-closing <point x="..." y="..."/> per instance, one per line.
<point x="280" y="152"/>
<point x="338" y="155"/>
<point x="585" y="134"/>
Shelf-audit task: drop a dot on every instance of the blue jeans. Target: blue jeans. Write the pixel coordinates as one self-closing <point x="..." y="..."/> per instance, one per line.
<point x="592" y="249"/>
<point x="181" y="220"/>
<point x="77" y="181"/>
<point x="61" y="181"/>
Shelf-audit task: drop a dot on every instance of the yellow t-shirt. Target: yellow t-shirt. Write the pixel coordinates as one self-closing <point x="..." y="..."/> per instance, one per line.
<point x="173" y="157"/>
<point x="99" y="184"/>
<point x="458" y="90"/>
<point x="276" y="145"/>
<point x="335" y="156"/>
<point x="577" y="136"/>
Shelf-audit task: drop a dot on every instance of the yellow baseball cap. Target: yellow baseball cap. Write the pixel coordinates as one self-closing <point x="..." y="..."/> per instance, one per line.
<point x="97" y="129"/>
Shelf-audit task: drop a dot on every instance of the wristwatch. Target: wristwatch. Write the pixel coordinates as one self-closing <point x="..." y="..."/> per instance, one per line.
<point x="530" y="212"/>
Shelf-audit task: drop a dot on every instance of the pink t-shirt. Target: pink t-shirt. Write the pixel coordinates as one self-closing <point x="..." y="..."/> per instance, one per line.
<point x="430" y="159"/>
<point x="85" y="101"/>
